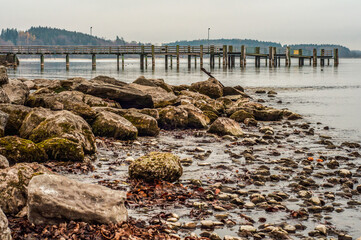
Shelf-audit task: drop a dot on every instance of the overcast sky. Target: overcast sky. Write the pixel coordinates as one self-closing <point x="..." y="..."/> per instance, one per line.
<point x="159" y="21"/>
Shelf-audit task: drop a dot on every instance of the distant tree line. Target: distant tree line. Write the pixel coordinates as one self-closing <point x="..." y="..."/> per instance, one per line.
<point x="54" y="36"/>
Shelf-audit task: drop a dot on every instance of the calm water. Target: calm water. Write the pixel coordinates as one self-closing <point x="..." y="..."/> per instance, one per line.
<point x="329" y="95"/>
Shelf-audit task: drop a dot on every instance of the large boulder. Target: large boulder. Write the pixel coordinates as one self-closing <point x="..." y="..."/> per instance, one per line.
<point x="4" y="98"/>
<point x="122" y="93"/>
<point x="5" y="233"/>
<point x="54" y="199"/>
<point x="145" y="123"/>
<point x="156" y="166"/>
<point x="13" y="185"/>
<point x="160" y="97"/>
<point x="269" y="114"/>
<point x="33" y="119"/>
<point x="17" y="114"/>
<point x="203" y="102"/>
<point x="172" y="117"/>
<point x="211" y="87"/>
<point x="4" y="117"/>
<point x="66" y="100"/>
<point x="3" y="76"/>
<point x="153" y="83"/>
<point x="47" y="83"/>
<point x="225" y="126"/>
<point x="196" y="118"/>
<point x="241" y="115"/>
<point x="17" y="91"/>
<point x="61" y="149"/>
<point x="18" y="150"/>
<point x="108" y="124"/>
<point x="63" y="124"/>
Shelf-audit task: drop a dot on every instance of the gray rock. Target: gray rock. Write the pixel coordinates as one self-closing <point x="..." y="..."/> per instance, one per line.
<point x="3" y="121"/>
<point x="108" y="124"/>
<point x="5" y="233"/>
<point x="13" y="185"/>
<point x="160" y="97"/>
<point x="122" y="93"/>
<point x="54" y="199"/>
<point x="153" y="83"/>
<point x="17" y="91"/>
<point x="172" y="117"/>
<point x="4" y="163"/>
<point x="4" y="98"/>
<point x="211" y="87"/>
<point x="3" y="76"/>
<point x="225" y="126"/>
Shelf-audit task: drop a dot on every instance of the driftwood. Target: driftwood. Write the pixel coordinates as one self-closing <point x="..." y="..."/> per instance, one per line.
<point x="210" y="75"/>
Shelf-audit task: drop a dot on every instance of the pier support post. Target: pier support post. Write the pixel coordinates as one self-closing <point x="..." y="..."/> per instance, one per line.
<point x="67" y="64"/>
<point x="146" y="61"/>
<point x="42" y="62"/>
<point x="177" y="57"/>
<point x="322" y="59"/>
<point x="166" y="57"/>
<point x="288" y="57"/>
<point x="189" y="57"/>
<point x="195" y="61"/>
<point x="300" y="59"/>
<point x="94" y="61"/>
<point x="142" y="58"/>
<point x="201" y="56"/>
<point x="118" y="61"/>
<point x="314" y="57"/>
<point x="270" y="56"/>
<point x="243" y="56"/>
<point x="153" y="57"/>
<point x="224" y="56"/>
<point x="123" y="61"/>
<point x="335" y="57"/>
<point x="171" y="61"/>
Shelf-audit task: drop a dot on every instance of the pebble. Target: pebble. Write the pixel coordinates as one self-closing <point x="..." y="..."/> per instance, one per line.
<point x="189" y="225"/>
<point x="344" y="173"/>
<point x="322" y="229"/>
<point x="221" y="216"/>
<point x="249" y="205"/>
<point x="207" y="224"/>
<point x="247" y="228"/>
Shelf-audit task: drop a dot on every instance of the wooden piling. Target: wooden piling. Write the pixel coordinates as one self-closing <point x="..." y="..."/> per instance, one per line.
<point x="322" y="57"/>
<point x="146" y="61"/>
<point x="123" y="61"/>
<point x="153" y="57"/>
<point x="335" y="57"/>
<point x="171" y="61"/>
<point x="42" y="61"/>
<point x="201" y="56"/>
<point x="67" y="60"/>
<point x="166" y="57"/>
<point x="211" y="58"/>
<point x="94" y="61"/>
<point x="271" y="57"/>
<point x="224" y="56"/>
<point x="177" y="56"/>
<point x="300" y="58"/>
<point x="141" y="59"/>
<point x="189" y="57"/>
<point x="195" y="61"/>
<point x="243" y="56"/>
<point x="314" y="57"/>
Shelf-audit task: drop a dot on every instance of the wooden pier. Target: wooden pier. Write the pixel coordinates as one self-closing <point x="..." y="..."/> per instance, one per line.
<point x="227" y="54"/>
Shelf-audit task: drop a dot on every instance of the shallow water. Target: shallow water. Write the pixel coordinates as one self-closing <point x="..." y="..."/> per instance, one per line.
<point x="331" y="95"/>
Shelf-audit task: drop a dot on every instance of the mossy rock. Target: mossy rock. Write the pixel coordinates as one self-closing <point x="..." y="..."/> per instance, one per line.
<point x="17" y="114"/>
<point x="61" y="149"/>
<point x="172" y="117"/>
<point x="156" y="166"/>
<point x="225" y="126"/>
<point x="211" y="115"/>
<point x="13" y="185"/>
<point x="18" y="150"/>
<point x="146" y="125"/>
<point x="241" y="115"/>
<point x="64" y="124"/>
<point x="108" y="124"/>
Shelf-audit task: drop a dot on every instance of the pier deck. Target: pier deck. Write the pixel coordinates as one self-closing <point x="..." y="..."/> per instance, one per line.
<point x="228" y="54"/>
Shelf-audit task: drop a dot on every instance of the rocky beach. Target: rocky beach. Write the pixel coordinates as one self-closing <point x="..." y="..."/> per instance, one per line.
<point x="104" y="159"/>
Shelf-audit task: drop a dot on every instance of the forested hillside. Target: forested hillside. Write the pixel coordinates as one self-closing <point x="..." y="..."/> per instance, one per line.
<point x="54" y="36"/>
